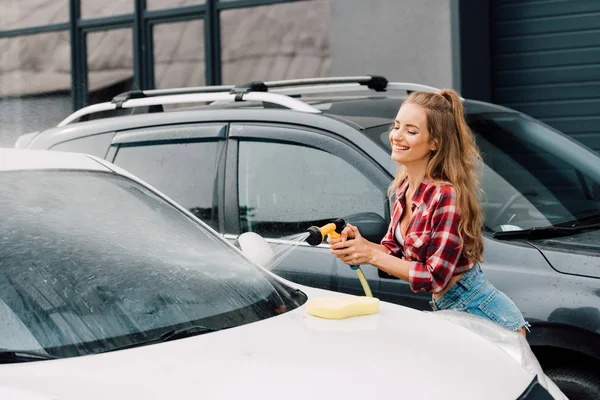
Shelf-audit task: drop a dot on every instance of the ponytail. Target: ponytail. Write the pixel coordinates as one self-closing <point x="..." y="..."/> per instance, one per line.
<point x="465" y="136"/>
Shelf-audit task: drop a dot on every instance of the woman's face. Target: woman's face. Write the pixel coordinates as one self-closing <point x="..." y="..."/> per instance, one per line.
<point x="410" y="136"/>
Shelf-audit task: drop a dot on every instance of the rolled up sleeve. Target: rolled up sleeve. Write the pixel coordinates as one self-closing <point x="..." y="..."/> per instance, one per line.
<point x="444" y="248"/>
<point x="388" y="240"/>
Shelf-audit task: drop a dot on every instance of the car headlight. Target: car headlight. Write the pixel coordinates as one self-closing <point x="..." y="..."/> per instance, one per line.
<point x="511" y="342"/>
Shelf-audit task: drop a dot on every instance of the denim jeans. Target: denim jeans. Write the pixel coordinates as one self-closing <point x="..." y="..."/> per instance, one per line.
<point x="474" y="294"/>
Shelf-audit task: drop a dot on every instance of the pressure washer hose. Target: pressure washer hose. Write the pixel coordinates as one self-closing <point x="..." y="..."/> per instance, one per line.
<point x="363" y="280"/>
<point x="334" y="229"/>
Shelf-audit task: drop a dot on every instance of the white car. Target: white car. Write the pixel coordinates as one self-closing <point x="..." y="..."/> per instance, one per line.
<point x="109" y="290"/>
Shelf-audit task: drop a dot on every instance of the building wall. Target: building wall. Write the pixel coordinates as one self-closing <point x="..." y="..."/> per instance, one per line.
<point x="403" y="40"/>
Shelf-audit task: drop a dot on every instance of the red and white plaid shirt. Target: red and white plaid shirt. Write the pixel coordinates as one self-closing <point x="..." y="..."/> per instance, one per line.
<point x="431" y="243"/>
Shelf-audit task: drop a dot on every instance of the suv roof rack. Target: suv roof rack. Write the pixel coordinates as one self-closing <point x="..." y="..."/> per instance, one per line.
<point x="375" y="82"/>
<point x="252" y="91"/>
<point x="349" y="87"/>
<point x="123" y="101"/>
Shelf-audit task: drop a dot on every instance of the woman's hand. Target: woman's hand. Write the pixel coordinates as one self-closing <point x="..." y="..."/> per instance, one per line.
<point x="347" y="233"/>
<point x="351" y="248"/>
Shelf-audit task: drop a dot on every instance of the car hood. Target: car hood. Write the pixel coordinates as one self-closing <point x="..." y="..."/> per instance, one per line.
<point x="577" y="254"/>
<point x="398" y="352"/>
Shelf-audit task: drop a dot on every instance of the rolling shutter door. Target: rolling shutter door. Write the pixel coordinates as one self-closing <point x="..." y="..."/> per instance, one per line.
<point x="546" y="63"/>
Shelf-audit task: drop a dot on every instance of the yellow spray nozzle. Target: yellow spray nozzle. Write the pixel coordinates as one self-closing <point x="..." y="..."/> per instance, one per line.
<point x="317" y="234"/>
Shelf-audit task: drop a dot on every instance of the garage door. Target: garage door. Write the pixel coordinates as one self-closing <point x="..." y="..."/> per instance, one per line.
<point x="546" y="62"/>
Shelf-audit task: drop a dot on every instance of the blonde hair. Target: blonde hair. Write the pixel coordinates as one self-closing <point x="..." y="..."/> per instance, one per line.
<point x="454" y="162"/>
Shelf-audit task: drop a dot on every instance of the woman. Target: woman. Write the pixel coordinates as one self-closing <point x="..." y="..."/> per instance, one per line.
<point x="435" y="239"/>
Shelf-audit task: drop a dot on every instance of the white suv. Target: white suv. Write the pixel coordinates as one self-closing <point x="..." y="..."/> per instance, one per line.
<point x="110" y="290"/>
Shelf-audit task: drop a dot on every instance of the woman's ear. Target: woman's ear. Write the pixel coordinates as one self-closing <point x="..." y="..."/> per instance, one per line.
<point x="434" y="145"/>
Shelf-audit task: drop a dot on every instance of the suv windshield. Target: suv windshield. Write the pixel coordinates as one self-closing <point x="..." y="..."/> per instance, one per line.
<point x="533" y="176"/>
<point x="92" y="262"/>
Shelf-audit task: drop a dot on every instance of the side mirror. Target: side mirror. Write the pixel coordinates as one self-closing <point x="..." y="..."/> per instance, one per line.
<point x="371" y="225"/>
<point x="256" y="249"/>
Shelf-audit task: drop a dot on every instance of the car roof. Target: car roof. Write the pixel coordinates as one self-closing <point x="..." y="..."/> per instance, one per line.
<point x="373" y="102"/>
<point x="360" y="112"/>
<point x="19" y="160"/>
<point x="377" y="110"/>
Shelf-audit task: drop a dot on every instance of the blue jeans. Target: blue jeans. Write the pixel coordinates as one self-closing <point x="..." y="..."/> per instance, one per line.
<point x="474" y="294"/>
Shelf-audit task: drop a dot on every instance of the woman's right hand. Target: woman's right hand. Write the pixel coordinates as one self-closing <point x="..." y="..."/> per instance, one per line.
<point x="351" y="248"/>
<point x="347" y="233"/>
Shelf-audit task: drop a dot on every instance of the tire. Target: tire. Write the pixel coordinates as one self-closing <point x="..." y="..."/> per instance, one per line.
<point x="576" y="383"/>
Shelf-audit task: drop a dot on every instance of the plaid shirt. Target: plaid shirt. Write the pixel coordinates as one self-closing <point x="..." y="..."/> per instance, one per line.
<point x="431" y="243"/>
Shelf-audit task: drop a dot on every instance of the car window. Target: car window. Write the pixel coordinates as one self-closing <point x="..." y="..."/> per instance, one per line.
<point x="284" y="188"/>
<point x="184" y="171"/>
<point x="532" y="175"/>
<point x="92" y="262"/>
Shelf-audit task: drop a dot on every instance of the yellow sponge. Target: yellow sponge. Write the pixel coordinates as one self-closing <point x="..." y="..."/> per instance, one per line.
<point x="339" y="307"/>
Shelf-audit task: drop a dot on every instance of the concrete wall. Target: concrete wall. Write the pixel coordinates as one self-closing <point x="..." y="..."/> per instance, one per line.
<point x="403" y="40"/>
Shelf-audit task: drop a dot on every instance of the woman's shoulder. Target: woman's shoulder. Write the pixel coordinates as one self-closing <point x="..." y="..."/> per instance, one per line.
<point x="442" y="192"/>
<point x="442" y="188"/>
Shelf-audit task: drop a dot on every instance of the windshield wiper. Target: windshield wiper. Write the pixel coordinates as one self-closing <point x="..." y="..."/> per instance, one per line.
<point x="13" y="356"/>
<point x="588" y="220"/>
<point x="544" y="232"/>
<point x="171" y="335"/>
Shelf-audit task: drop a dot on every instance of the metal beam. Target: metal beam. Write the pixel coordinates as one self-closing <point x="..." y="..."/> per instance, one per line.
<point x="250" y="3"/>
<point x="212" y="43"/>
<point x="175" y="14"/>
<point x="79" y="81"/>
<point x="35" y="30"/>
<point x="474" y="33"/>
<point x="148" y="43"/>
<point x="104" y="24"/>
<point x="139" y="46"/>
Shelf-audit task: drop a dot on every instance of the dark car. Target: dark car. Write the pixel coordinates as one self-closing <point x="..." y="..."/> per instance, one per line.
<point x="276" y="158"/>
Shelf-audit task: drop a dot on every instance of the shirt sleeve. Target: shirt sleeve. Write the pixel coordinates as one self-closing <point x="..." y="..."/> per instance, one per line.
<point x="443" y="249"/>
<point x="391" y="247"/>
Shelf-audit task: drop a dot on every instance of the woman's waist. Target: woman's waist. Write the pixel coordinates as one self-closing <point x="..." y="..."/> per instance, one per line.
<point x="457" y="277"/>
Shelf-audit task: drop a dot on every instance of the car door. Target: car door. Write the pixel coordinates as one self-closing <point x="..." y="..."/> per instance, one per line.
<point x="282" y="179"/>
<point x="185" y="162"/>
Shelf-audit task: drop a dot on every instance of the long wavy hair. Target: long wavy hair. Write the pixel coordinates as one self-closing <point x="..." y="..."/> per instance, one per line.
<point x="454" y="162"/>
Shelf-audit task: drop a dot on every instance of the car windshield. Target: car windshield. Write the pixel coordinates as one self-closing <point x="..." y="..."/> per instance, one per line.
<point x="91" y="262"/>
<point x="533" y="176"/>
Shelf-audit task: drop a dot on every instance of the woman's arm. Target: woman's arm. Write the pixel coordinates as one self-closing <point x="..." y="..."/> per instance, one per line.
<point x="443" y="249"/>
<point x="357" y="250"/>
<point x="396" y="266"/>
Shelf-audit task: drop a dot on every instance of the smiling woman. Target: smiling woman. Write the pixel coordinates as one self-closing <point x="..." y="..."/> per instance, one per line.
<point x="435" y="239"/>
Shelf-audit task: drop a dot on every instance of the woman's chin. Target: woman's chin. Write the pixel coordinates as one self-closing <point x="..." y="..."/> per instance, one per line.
<point x="398" y="158"/>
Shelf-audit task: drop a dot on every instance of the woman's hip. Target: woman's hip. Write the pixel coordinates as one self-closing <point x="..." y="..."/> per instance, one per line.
<point x="474" y="294"/>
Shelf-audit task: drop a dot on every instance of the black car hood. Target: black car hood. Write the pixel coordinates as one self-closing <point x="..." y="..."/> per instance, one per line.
<point x="577" y="254"/>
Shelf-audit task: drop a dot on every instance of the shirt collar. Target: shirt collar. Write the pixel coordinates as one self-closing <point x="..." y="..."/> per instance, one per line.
<point x="417" y="197"/>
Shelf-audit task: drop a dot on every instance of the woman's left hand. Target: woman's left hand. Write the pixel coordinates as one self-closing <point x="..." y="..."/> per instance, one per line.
<point x="354" y="251"/>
